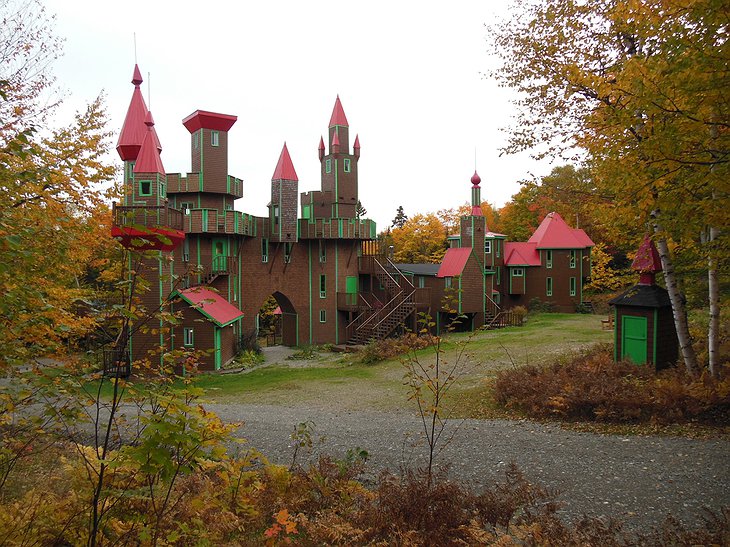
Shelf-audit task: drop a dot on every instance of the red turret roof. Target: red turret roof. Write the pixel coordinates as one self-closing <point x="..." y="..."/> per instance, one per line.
<point x="321" y="143"/>
<point x="454" y="261"/>
<point x="521" y="254"/>
<point x="338" y="115"/>
<point x="335" y="139"/>
<point x="148" y="159"/>
<point x="133" y="131"/>
<point x="285" y="168"/>
<point x="647" y="257"/>
<point x="209" y="120"/>
<point x="554" y="233"/>
<point x="356" y="146"/>
<point x="212" y="305"/>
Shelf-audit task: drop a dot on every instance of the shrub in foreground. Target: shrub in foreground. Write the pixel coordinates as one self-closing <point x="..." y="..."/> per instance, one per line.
<point x="591" y="386"/>
<point x="380" y="350"/>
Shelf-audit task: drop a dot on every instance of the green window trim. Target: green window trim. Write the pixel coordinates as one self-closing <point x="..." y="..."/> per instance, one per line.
<point x="287" y="252"/>
<point x="188" y="337"/>
<point x="214" y="138"/>
<point x="264" y="250"/>
<point x="572" y="286"/>
<point x="518" y="272"/>
<point x="196" y="140"/>
<point x="447" y="282"/>
<point x="548" y="259"/>
<point x="572" y="259"/>
<point x="145" y="188"/>
<point x="548" y="286"/>
<point x="497" y="248"/>
<point x="322" y="316"/>
<point x="487" y="246"/>
<point x="322" y="251"/>
<point x="322" y="286"/>
<point x="347" y="165"/>
<point x="328" y="165"/>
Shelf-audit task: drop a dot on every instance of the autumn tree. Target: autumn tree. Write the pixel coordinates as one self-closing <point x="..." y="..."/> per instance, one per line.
<point x="641" y="87"/>
<point x="400" y="218"/>
<point x="422" y="238"/>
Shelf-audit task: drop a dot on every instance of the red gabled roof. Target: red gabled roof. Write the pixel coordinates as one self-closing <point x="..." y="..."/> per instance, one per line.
<point x="285" y="168"/>
<point x="554" y="233"/>
<point x="212" y="305"/>
<point x="133" y="130"/>
<point x="338" y="114"/>
<point x="148" y="160"/>
<point x="209" y="120"/>
<point x="454" y="261"/>
<point x="521" y="254"/>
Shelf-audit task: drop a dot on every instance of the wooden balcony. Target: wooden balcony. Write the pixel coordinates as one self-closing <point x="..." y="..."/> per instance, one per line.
<point x="145" y="227"/>
<point x="336" y="228"/>
<point x="193" y="182"/>
<point x="149" y="216"/>
<point x="213" y="221"/>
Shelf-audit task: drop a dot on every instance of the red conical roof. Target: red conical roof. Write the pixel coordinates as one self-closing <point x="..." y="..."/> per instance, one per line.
<point x="148" y="160"/>
<point x="338" y="114"/>
<point x="321" y="143"/>
<point x="133" y="131"/>
<point x="647" y="257"/>
<point x="356" y="146"/>
<point x="285" y="168"/>
<point x="335" y="139"/>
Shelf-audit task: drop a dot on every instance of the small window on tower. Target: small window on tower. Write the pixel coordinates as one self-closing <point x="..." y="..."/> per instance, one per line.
<point x="188" y="337"/>
<point x="347" y="165"/>
<point x="145" y="188"/>
<point x="328" y="165"/>
<point x="196" y="140"/>
<point x="214" y="138"/>
<point x="487" y="246"/>
<point x="322" y="316"/>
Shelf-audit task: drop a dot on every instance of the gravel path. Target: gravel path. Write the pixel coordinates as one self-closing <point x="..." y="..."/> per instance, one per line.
<point x="639" y="479"/>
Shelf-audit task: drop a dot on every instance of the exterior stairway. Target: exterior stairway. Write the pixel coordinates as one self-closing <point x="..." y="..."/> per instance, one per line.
<point x="379" y="323"/>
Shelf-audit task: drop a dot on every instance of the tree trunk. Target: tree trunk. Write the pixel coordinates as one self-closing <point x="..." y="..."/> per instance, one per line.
<point x="713" y="330"/>
<point x="678" y="309"/>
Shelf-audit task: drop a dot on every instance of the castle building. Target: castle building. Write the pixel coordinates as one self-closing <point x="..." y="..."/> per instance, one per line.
<point x="215" y="266"/>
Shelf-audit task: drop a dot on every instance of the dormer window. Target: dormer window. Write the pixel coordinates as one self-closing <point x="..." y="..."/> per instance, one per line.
<point x="214" y="138"/>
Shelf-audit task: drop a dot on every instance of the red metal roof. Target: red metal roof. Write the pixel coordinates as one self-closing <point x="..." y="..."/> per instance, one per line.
<point x="133" y="130"/>
<point x="148" y="160"/>
<point x="321" y="143"/>
<point x="212" y="305"/>
<point x="285" y="168"/>
<point x="554" y="233"/>
<point x="338" y="114"/>
<point x="521" y="254"/>
<point x="356" y="146"/>
<point x="454" y="261"/>
<point x="209" y="120"/>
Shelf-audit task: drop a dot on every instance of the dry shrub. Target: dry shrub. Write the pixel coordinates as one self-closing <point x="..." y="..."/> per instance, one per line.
<point x="591" y="386"/>
<point x="380" y="350"/>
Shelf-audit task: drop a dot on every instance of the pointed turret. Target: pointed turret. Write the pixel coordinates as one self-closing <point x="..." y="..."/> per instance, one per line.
<point x="134" y="130"/>
<point x="321" y="148"/>
<point x="338" y="115"/>
<point x="335" y="143"/>
<point x="148" y="159"/>
<point x="285" y="168"/>
<point x="647" y="262"/>
<point x="476" y="198"/>
<point x="356" y="146"/>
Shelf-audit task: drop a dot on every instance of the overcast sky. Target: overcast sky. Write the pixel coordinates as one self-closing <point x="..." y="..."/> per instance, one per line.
<point x="410" y="75"/>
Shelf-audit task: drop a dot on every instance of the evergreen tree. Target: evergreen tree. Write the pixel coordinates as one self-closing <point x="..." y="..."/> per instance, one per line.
<point x="400" y="218"/>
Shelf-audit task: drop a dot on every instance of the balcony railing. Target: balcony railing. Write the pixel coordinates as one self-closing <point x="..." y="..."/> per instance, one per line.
<point x="193" y="182"/>
<point x="147" y="215"/>
<point x="336" y="228"/>
<point x="203" y="221"/>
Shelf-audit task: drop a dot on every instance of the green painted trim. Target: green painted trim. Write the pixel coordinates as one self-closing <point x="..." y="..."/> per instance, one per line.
<point x="217" y="347"/>
<point x="337" y="288"/>
<point x="311" y="325"/>
<point x="581" y="278"/>
<point x="337" y="192"/>
<point x="615" y="334"/>
<point x="460" y="288"/>
<point x="656" y="318"/>
<point x="197" y="259"/>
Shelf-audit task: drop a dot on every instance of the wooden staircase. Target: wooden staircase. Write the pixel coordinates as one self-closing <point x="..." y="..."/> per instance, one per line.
<point x="379" y="323"/>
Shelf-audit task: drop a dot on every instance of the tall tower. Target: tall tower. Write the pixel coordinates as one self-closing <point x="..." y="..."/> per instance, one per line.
<point x="284" y="198"/>
<point x="474" y="225"/>
<point x="338" y="166"/>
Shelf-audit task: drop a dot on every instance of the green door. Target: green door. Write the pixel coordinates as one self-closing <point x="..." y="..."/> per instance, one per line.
<point x="634" y="339"/>
<point x="220" y="255"/>
<point x="351" y="289"/>
<point x="217" y="347"/>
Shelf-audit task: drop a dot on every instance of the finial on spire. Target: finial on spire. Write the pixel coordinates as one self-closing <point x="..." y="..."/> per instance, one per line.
<point x="137" y="76"/>
<point x="475" y="178"/>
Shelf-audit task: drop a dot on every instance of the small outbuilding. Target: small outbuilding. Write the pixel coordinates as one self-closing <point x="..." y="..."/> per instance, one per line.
<point x="644" y="330"/>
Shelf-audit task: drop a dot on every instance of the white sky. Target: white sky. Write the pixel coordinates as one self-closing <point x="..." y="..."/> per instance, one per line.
<point x="409" y="75"/>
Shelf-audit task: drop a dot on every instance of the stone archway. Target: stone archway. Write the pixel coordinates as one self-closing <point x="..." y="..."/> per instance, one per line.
<point x="287" y="329"/>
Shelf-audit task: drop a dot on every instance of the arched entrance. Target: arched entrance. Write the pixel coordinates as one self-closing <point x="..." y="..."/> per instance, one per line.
<point x="278" y="321"/>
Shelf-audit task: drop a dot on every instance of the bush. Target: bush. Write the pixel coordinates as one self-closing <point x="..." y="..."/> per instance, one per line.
<point x="592" y="387"/>
<point x="535" y="305"/>
<point x="380" y="350"/>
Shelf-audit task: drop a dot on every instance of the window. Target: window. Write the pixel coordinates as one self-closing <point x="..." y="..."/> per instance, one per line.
<point x="347" y="165"/>
<point x="214" y="138"/>
<point x="287" y="252"/>
<point x="307" y="211"/>
<point x="186" y="250"/>
<point x="185" y="207"/>
<point x="145" y="188"/>
<point x="161" y="189"/>
<point x="447" y="282"/>
<point x="549" y="286"/>
<point x="518" y="272"/>
<point x="196" y="140"/>
<point x="328" y="165"/>
<point x="421" y="282"/>
<point x="188" y="337"/>
<point x="264" y="250"/>
<point x="572" y="286"/>
<point x="322" y="251"/>
<point x="322" y="316"/>
<point x="572" y="259"/>
<point x="487" y="246"/>
<point x="276" y="215"/>
<point x="548" y="259"/>
<point x="499" y="274"/>
<point x="496" y="248"/>
<point x="322" y="286"/>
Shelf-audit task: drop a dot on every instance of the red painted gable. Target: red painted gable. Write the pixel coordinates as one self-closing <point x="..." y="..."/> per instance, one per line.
<point x="209" y="120"/>
<point x="521" y="254"/>
<point x="454" y="262"/>
<point x="285" y="168"/>
<point x="212" y="305"/>
<point x="338" y="115"/>
<point x="554" y="233"/>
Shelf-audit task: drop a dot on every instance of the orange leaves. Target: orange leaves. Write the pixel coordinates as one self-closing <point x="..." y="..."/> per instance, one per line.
<point x="284" y="525"/>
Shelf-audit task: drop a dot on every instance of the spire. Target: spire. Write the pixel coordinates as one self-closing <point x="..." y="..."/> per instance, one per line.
<point x="338" y="114"/>
<point x="285" y="168"/>
<point x="148" y="159"/>
<point x="335" y="143"/>
<point x="321" y="148"/>
<point x="476" y="198"/>
<point x="134" y="130"/>
<point x="647" y="262"/>
<point x="356" y="146"/>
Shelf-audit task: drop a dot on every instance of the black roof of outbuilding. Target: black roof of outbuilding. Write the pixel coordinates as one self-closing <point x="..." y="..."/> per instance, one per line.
<point x="419" y="269"/>
<point x="647" y="296"/>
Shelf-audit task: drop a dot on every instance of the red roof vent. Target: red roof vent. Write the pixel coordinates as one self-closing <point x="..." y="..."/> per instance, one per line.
<point x="338" y="115"/>
<point x="285" y="168"/>
<point x="201" y="119"/>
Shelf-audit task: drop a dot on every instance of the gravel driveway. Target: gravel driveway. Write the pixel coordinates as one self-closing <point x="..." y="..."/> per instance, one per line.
<point x="638" y="479"/>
